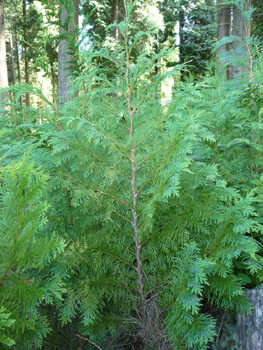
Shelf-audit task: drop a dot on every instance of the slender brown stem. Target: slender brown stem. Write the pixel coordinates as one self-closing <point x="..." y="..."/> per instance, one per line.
<point x="149" y="133"/>
<point x="167" y="223"/>
<point x="96" y="190"/>
<point x="216" y="147"/>
<point x="110" y="166"/>
<point x="218" y="334"/>
<point x="109" y="138"/>
<point x="91" y="342"/>
<point x="115" y="212"/>
<point x="117" y="285"/>
<point x="107" y="195"/>
<point x="146" y="158"/>
<point x="138" y="246"/>
<point x="110" y="255"/>
<point x="155" y="171"/>
<point x="218" y="240"/>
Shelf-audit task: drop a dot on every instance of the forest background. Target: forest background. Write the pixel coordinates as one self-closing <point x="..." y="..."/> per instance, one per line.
<point x="131" y="172"/>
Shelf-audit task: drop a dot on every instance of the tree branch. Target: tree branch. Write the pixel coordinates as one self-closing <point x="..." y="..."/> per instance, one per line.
<point x="155" y="171"/>
<point x="110" y="255"/>
<point x="110" y="166"/>
<point x="91" y="342"/>
<point x="149" y="133"/>
<point x="95" y="189"/>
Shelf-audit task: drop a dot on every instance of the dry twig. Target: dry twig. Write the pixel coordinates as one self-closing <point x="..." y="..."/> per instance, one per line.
<point x="91" y="342"/>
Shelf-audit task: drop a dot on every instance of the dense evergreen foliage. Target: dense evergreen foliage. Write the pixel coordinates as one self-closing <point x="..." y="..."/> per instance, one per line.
<point x="27" y="250"/>
<point x="126" y="218"/>
<point x="197" y="20"/>
<point x="257" y="27"/>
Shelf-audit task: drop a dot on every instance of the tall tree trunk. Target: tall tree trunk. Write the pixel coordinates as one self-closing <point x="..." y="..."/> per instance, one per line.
<point x="3" y="65"/>
<point x="115" y="19"/>
<point x="223" y="30"/>
<point x="64" y="67"/>
<point x="25" y="53"/>
<point x="18" y="64"/>
<point x="181" y="37"/>
<point x="241" y="29"/>
<point x="12" y="60"/>
<point x="249" y="327"/>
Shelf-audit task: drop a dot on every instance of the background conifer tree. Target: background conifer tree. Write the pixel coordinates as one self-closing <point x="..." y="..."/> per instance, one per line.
<point x="26" y="252"/>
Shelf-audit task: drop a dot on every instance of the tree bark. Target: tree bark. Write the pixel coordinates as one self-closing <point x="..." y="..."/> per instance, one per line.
<point x="181" y="37"/>
<point x="18" y="64"/>
<point x="3" y="65"/>
<point x="115" y="19"/>
<point x="249" y="327"/>
<point x="64" y="67"/>
<point x="25" y="53"/>
<point x="242" y="30"/>
<point x="12" y="59"/>
<point x="223" y="30"/>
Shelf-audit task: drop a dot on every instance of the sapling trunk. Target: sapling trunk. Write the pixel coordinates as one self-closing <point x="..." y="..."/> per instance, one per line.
<point x="138" y="245"/>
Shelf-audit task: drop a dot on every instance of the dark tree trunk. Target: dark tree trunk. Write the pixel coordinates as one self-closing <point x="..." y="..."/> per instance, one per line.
<point x="3" y="66"/>
<point x="250" y="327"/>
<point x="241" y="29"/>
<point x="181" y="36"/>
<point x="64" y="67"/>
<point x="18" y="64"/>
<point x="12" y="60"/>
<point x="26" y="57"/>
<point x="223" y="30"/>
<point x="115" y="19"/>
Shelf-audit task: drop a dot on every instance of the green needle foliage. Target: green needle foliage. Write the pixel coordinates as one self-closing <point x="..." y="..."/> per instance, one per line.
<point x="25" y="251"/>
<point x="143" y="193"/>
<point x="5" y="322"/>
<point x="152" y="230"/>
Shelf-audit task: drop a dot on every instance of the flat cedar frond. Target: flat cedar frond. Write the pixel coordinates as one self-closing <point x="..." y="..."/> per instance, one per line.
<point x="142" y="211"/>
<point x="27" y="250"/>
